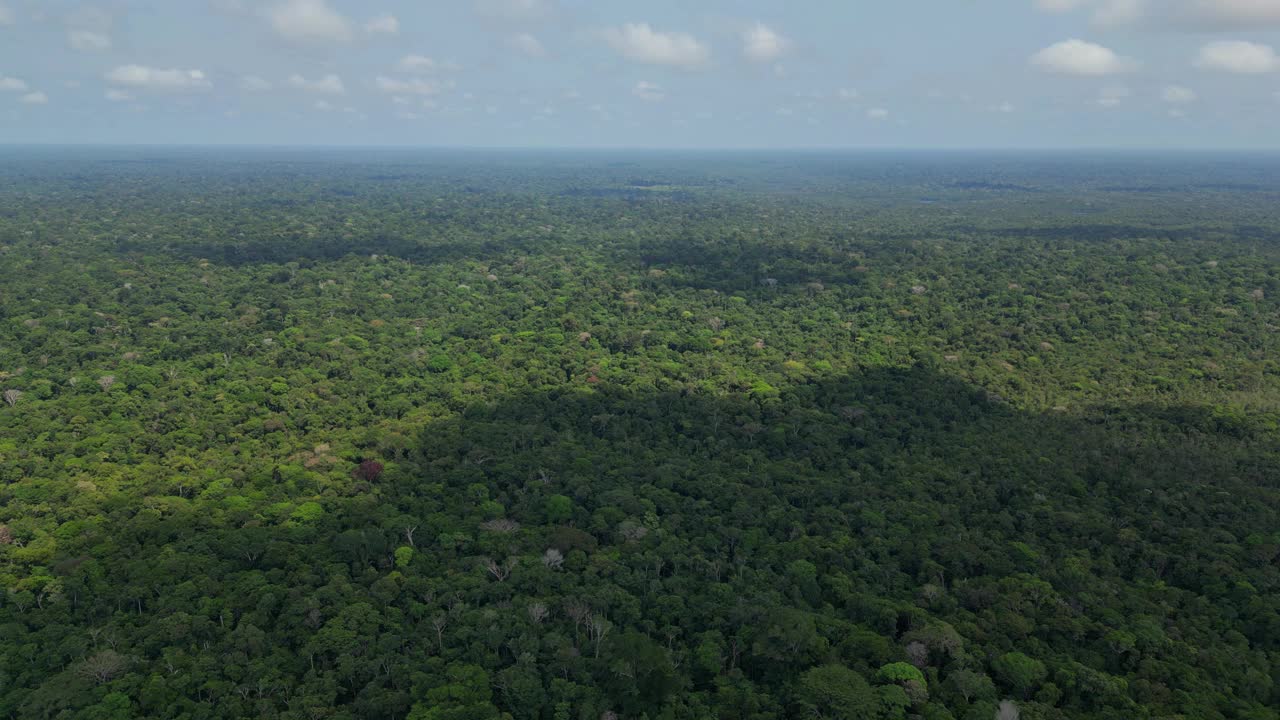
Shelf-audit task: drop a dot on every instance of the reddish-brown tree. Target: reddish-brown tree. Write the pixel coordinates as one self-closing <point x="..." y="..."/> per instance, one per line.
<point x="369" y="470"/>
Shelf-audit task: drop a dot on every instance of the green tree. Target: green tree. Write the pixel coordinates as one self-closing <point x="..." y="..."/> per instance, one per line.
<point x="834" y="691"/>
<point x="559" y="509"/>
<point x="1020" y="673"/>
<point x="465" y="696"/>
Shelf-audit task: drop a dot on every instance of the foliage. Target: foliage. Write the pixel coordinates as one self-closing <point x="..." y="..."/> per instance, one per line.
<point x="325" y="435"/>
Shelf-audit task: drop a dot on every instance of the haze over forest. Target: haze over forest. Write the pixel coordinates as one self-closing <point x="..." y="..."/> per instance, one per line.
<point x="819" y="361"/>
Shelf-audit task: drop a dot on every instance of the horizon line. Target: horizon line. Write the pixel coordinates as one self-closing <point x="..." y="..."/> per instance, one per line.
<point x="652" y="148"/>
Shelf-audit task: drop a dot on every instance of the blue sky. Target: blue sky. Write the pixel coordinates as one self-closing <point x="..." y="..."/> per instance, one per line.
<point x="660" y="73"/>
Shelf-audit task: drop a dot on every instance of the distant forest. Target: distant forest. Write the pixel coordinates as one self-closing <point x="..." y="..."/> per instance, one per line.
<point x="327" y="435"/>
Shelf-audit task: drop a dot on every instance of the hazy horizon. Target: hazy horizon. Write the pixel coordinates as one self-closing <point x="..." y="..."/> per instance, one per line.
<point x="591" y="149"/>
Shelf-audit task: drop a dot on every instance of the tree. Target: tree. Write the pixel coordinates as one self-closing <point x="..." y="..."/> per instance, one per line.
<point x="368" y="470"/>
<point x="909" y="678"/>
<point x="641" y="676"/>
<point x="103" y="666"/>
<point x="789" y="637"/>
<point x="900" y="672"/>
<point x="559" y="509"/>
<point x="1020" y="673"/>
<point x="835" y="691"/>
<point x="499" y="570"/>
<point x="520" y="687"/>
<point x="403" y="556"/>
<point x="307" y="512"/>
<point x="970" y="685"/>
<point x="113" y="706"/>
<point x="466" y="695"/>
<point x="553" y="558"/>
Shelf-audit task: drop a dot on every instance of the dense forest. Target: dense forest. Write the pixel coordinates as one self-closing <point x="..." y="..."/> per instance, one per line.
<point x="591" y="436"/>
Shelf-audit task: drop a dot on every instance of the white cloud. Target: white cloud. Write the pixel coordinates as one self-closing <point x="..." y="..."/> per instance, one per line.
<point x="1231" y="14"/>
<point x="1190" y="15"/>
<point x="424" y="64"/>
<point x="848" y="94"/>
<point x="326" y="106"/>
<point x="384" y="24"/>
<point x="877" y="114"/>
<point x="529" y="45"/>
<point x="413" y="86"/>
<point x="1060" y="6"/>
<point x="88" y="41"/>
<point x="12" y="84"/>
<point x="646" y="90"/>
<point x="254" y="83"/>
<point x="328" y="85"/>
<point x="1112" y="95"/>
<point x="1238" y="56"/>
<point x="141" y="76"/>
<point x="762" y="43"/>
<point x="514" y="10"/>
<point x="1119" y="12"/>
<point x="308" y="21"/>
<point x="1106" y="13"/>
<point x="115" y="95"/>
<point x="87" y="17"/>
<point x="6" y="16"/>
<point x="1077" y="57"/>
<point x="35" y="98"/>
<point x="641" y="43"/>
<point x="1178" y="94"/>
<point x="1005" y="107"/>
<point x="229" y="7"/>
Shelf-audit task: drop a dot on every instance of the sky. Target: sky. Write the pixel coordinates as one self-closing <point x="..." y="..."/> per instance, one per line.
<point x="1193" y="74"/>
